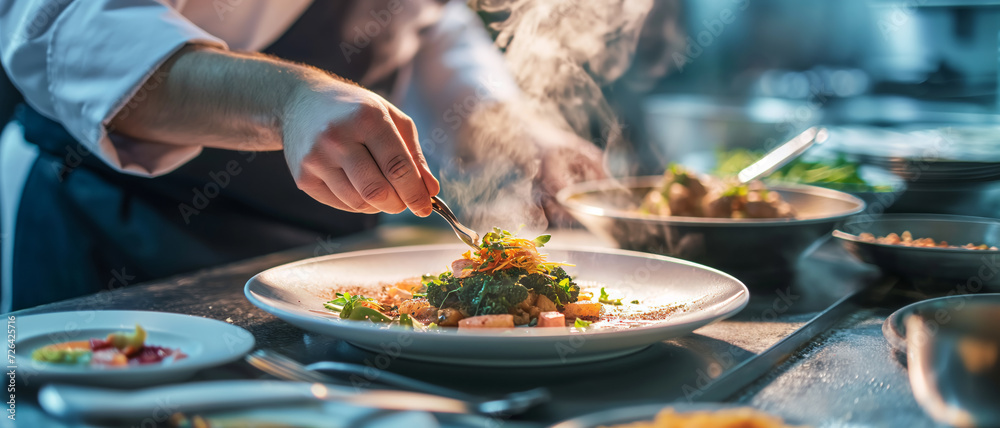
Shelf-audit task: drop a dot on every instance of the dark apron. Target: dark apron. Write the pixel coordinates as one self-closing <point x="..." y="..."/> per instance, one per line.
<point x="83" y="227"/>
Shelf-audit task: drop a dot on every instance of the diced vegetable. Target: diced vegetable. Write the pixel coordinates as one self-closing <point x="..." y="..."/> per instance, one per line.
<point x="488" y="321"/>
<point x="585" y="310"/>
<point x="551" y="319"/>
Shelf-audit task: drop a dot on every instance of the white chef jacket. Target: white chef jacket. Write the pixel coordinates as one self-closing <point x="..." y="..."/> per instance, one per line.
<point x="80" y="61"/>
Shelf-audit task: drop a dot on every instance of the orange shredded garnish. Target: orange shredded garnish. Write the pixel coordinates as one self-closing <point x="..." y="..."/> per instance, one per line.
<point x="500" y="251"/>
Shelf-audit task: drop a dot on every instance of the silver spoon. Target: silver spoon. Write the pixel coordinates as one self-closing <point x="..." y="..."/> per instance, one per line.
<point x="467" y="235"/>
<point x="286" y="368"/>
<point x="777" y="158"/>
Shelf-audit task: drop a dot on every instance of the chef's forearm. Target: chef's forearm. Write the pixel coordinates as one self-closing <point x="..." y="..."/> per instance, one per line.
<point x="216" y="98"/>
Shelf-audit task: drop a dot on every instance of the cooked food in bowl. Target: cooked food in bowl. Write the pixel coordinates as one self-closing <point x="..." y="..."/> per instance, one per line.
<point x="683" y="193"/>
<point x="758" y="251"/>
<point x="726" y="418"/>
<point x="506" y="283"/>
<point x="907" y="240"/>
<point x="118" y="349"/>
<point x="926" y="265"/>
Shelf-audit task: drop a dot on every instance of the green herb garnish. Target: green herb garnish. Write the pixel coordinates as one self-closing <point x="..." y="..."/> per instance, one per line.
<point x="356" y="307"/>
<point x="541" y="240"/>
<point x="506" y="272"/>
<point x="838" y="173"/>
<point x="607" y="299"/>
<point x="405" y="321"/>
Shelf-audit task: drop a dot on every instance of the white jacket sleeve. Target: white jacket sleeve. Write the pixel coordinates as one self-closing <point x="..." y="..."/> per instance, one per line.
<point x="80" y="62"/>
<point x="456" y="70"/>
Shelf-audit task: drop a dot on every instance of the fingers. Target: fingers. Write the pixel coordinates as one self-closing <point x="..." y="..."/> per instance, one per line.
<point x="373" y="168"/>
<point x="365" y="152"/>
<point x="393" y="156"/>
<point x="354" y="176"/>
<point x="340" y="186"/>
<point x="319" y="190"/>
<point x="408" y="130"/>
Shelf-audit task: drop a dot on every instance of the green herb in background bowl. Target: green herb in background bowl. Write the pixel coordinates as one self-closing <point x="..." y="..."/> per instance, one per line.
<point x="838" y="173"/>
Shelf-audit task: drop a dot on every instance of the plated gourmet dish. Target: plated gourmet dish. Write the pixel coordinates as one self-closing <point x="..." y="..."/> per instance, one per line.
<point x="907" y="240"/>
<point x="116" y="350"/>
<point x="683" y="193"/>
<point x="505" y="283"/>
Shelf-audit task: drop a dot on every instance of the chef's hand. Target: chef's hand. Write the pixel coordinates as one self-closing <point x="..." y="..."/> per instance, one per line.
<point x="565" y="159"/>
<point x="352" y="150"/>
<point x="346" y="146"/>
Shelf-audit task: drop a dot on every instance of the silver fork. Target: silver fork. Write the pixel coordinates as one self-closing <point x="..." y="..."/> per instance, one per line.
<point x="283" y="367"/>
<point x="466" y="234"/>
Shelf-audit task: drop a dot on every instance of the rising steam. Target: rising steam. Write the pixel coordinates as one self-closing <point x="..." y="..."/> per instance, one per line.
<point x="560" y="53"/>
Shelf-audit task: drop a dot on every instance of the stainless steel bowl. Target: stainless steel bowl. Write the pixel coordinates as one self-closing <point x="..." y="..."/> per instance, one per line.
<point x="757" y="251"/>
<point x="932" y="270"/>
<point x="953" y="360"/>
<point x="939" y="309"/>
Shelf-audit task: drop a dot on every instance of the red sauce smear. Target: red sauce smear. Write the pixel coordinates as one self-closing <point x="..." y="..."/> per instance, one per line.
<point x="148" y="354"/>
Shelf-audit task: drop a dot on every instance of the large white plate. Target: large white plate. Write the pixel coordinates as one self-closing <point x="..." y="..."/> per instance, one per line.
<point x="206" y="342"/>
<point x="295" y="293"/>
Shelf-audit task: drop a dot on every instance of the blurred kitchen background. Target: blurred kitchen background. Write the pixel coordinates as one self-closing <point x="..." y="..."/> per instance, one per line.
<point x="722" y="74"/>
<point x="896" y="81"/>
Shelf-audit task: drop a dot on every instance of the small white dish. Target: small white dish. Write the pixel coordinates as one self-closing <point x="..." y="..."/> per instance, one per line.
<point x="205" y="342"/>
<point x="296" y="292"/>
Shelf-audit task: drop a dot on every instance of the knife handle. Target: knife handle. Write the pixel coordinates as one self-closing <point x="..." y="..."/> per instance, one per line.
<point x="83" y="403"/>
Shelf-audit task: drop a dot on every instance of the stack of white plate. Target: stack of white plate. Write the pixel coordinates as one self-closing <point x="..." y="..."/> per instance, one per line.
<point x="925" y="155"/>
